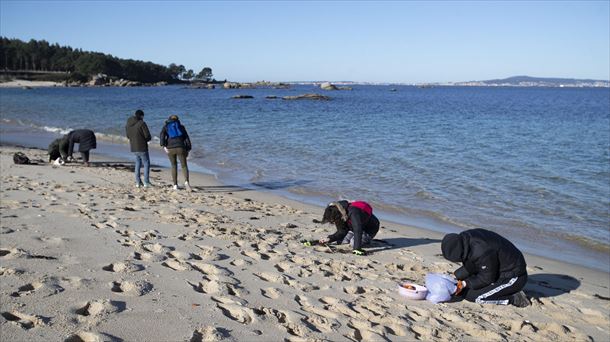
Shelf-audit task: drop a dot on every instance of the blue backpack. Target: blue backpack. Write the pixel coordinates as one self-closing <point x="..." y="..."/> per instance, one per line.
<point x="173" y="129"/>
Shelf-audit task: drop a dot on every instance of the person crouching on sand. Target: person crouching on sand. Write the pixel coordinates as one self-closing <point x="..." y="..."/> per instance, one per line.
<point x="355" y="224"/>
<point x="58" y="149"/>
<point x="493" y="271"/>
<point x="177" y="144"/>
<point x="85" y="138"/>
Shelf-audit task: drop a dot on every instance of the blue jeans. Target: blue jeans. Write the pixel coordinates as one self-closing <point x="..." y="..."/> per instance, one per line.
<point x="142" y="157"/>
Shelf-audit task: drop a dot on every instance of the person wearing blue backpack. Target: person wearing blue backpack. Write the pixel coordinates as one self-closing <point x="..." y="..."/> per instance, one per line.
<point x="177" y="144"/>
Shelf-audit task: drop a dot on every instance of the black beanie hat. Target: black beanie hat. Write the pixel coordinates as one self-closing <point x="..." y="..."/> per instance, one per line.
<point x="452" y="247"/>
<point x="139" y="114"/>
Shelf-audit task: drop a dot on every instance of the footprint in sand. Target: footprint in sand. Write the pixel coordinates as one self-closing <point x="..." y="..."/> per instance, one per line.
<point x="256" y="255"/>
<point x="144" y="256"/>
<point x="273" y="278"/>
<point x="176" y="265"/>
<point x="363" y="332"/>
<point x="24" y="320"/>
<point x="118" y="267"/>
<point x="285" y="320"/>
<point x="154" y="248"/>
<point x="10" y="253"/>
<point x="211" y="334"/>
<point x="271" y="292"/>
<point x="83" y="336"/>
<point x="26" y="289"/>
<point x="128" y="288"/>
<point x="237" y="313"/>
<point x="98" y="307"/>
<point x="354" y="290"/>
<point x="207" y="286"/>
<point x="210" y="269"/>
<point x="240" y="262"/>
<point x="323" y="324"/>
<point x="4" y="271"/>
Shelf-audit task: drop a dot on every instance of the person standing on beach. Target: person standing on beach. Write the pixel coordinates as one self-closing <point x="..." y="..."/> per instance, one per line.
<point x="355" y="224"/>
<point x="138" y="134"/>
<point x="493" y="271"/>
<point x="85" y="138"/>
<point x="177" y="144"/>
<point x="59" y="149"/>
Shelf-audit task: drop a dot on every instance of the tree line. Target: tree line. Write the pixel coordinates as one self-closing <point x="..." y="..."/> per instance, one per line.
<point x="40" y="55"/>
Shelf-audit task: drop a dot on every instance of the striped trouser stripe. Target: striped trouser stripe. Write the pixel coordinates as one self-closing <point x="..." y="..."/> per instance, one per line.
<point x="481" y="299"/>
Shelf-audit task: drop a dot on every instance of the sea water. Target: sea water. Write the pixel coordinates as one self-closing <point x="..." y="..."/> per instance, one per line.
<point x="530" y="163"/>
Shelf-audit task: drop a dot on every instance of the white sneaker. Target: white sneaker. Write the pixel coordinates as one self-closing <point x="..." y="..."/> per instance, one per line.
<point x="187" y="186"/>
<point x="175" y="187"/>
<point x="138" y="185"/>
<point x="147" y="185"/>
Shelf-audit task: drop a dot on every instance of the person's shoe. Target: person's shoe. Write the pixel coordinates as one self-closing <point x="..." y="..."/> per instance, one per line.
<point x="520" y="300"/>
<point x="147" y="185"/>
<point x="138" y="185"/>
<point x="175" y="187"/>
<point x="187" y="186"/>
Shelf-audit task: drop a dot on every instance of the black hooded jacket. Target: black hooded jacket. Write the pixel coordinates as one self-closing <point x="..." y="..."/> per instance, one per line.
<point x="486" y="257"/>
<point x="138" y="134"/>
<point x="359" y="221"/>
<point x="58" y="148"/>
<point x="85" y="138"/>
<point x="182" y="141"/>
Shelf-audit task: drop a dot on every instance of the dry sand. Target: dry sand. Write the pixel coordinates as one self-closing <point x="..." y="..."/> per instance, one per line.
<point x="85" y="256"/>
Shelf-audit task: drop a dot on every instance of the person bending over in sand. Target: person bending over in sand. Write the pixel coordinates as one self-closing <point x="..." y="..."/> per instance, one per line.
<point x="177" y="144"/>
<point x="85" y="138"/>
<point x="59" y="149"/>
<point x="355" y="224"/>
<point x="493" y="271"/>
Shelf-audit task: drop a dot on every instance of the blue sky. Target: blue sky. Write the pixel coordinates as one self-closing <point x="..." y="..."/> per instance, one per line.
<point x="411" y="41"/>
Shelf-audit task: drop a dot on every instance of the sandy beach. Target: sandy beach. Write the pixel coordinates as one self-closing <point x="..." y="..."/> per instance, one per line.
<point x="86" y="256"/>
<point x="29" y="84"/>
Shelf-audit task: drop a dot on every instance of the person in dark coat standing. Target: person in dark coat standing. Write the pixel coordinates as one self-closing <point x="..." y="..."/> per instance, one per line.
<point x="177" y="144"/>
<point x="355" y="224"/>
<point x="138" y="134"/>
<point x="85" y="138"/>
<point x="59" y="149"/>
<point x="493" y="270"/>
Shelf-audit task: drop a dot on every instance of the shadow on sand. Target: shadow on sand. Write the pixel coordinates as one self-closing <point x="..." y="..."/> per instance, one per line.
<point x="542" y="285"/>
<point x="396" y="243"/>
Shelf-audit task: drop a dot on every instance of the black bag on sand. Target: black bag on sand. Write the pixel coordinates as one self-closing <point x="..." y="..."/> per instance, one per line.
<point x="20" y="158"/>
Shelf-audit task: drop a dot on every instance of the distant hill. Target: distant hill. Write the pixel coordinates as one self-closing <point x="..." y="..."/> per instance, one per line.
<point x="528" y="81"/>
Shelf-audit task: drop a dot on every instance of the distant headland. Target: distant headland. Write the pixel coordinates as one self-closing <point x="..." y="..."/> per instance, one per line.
<point x="45" y="64"/>
<point x="528" y="81"/>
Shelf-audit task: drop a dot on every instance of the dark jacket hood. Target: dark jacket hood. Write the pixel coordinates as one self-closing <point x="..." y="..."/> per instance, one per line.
<point x="453" y="247"/>
<point x="132" y="121"/>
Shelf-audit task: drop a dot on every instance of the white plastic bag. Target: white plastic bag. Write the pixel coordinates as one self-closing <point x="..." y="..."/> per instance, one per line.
<point x="440" y="287"/>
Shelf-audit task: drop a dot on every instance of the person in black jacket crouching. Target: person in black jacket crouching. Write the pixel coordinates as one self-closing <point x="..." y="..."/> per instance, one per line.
<point x="85" y="138"/>
<point x="355" y="224"/>
<point x="493" y="271"/>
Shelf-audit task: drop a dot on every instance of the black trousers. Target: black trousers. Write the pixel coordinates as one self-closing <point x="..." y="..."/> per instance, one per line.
<point x="496" y="293"/>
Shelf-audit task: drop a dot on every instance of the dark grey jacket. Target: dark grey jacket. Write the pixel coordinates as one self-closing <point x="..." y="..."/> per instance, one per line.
<point x="85" y="138"/>
<point x="182" y="141"/>
<point x="138" y="134"/>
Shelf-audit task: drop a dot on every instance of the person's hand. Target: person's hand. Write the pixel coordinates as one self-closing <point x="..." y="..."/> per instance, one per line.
<point x="323" y="241"/>
<point x="459" y="287"/>
<point x="165" y="149"/>
<point x="359" y="252"/>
